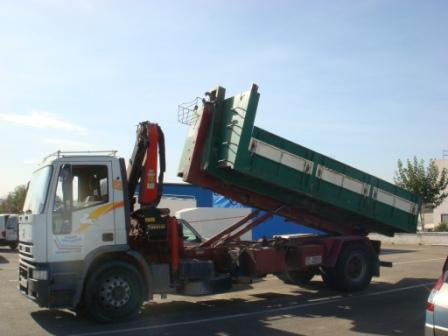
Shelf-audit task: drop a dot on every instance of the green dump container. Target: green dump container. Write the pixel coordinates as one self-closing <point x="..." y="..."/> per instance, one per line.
<point x="225" y="152"/>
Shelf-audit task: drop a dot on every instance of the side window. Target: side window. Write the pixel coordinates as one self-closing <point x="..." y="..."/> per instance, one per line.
<point x="63" y="197"/>
<point x="444" y="218"/>
<point x="90" y="186"/>
<point x="78" y="187"/>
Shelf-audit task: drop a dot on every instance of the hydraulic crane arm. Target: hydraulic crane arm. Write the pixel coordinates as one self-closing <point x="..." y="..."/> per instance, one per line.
<point x="148" y="155"/>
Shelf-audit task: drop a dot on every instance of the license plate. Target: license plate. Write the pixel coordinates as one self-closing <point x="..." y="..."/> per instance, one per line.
<point x="23" y="282"/>
<point x="313" y="260"/>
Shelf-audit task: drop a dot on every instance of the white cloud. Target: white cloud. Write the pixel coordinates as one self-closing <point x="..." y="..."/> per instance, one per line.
<point x="31" y="162"/>
<point x="39" y="119"/>
<point x="64" y="144"/>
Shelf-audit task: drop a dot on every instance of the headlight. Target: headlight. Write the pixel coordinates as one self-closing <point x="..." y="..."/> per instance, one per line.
<point x="40" y="274"/>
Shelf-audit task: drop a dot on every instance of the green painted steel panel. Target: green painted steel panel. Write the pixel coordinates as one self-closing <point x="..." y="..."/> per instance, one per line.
<point x="259" y="162"/>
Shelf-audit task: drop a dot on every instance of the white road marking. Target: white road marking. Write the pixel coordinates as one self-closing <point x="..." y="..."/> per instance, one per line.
<point x="15" y="280"/>
<point x="417" y="261"/>
<point x="394" y="290"/>
<point x="260" y="312"/>
<point x="326" y="298"/>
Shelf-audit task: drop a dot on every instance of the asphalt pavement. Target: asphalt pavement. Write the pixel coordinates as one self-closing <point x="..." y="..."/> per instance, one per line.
<point x="394" y="304"/>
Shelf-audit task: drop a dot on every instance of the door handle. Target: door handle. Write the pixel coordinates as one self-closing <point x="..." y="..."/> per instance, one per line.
<point x="107" y="237"/>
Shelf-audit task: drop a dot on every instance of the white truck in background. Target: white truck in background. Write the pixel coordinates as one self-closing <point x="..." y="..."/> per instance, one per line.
<point x="8" y="230"/>
<point x="210" y="221"/>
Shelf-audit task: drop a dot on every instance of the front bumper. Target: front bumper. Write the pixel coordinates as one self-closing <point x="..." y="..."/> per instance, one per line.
<point x="57" y="291"/>
<point x="36" y="290"/>
<point x="429" y="329"/>
<point x="429" y="323"/>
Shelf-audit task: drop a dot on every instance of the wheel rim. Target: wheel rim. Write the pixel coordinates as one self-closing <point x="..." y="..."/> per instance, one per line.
<point x="356" y="268"/>
<point x="115" y="292"/>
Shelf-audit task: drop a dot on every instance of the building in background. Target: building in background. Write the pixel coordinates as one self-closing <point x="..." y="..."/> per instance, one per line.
<point x="181" y="196"/>
<point x="440" y="214"/>
<point x="436" y="216"/>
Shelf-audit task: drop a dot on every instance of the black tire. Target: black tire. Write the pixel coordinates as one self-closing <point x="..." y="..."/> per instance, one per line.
<point x="13" y="246"/>
<point x="114" y="292"/>
<point x="329" y="278"/>
<point x="80" y="312"/>
<point x="293" y="276"/>
<point x="353" y="271"/>
<point x="296" y="277"/>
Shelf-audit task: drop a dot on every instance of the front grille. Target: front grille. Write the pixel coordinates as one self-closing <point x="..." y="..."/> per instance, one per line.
<point x="25" y="270"/>
<point x="26" y="250"/>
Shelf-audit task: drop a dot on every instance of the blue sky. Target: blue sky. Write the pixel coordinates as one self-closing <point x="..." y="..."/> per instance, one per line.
<point x="364" y="81"/>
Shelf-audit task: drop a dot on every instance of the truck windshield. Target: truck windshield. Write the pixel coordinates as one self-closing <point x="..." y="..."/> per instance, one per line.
<point x="11" y="223"/>
<point x="37" y="191"/>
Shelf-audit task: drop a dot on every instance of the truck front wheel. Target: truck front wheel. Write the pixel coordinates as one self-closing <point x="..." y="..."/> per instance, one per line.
<point x="114" y="292"/>
<point x="353" y="271"/>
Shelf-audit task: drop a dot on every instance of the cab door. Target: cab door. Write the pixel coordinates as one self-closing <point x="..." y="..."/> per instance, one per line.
<point x="82" y="216"/>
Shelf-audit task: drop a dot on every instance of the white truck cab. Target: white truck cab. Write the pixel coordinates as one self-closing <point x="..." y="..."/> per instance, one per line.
<point x="8" y="230"/>
<point x="74" y="209"/>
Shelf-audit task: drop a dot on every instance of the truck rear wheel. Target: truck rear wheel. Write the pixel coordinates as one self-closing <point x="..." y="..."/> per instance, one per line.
<point x="296" y="277"/>
<point x="114" y="292"/>
<point x="353" y="271"/>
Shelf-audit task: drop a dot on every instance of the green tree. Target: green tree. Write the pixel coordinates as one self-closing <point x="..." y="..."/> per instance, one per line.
<point x="428" y="182"/>
<point x="13" y="203"/>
